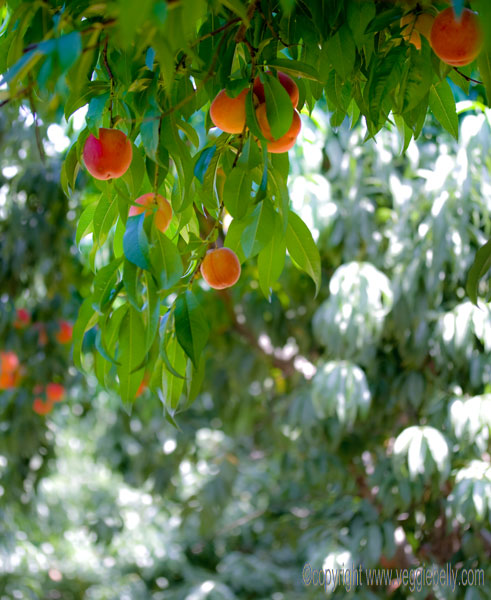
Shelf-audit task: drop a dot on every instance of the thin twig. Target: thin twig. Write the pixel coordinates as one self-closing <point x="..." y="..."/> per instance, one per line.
<point x="111" y="79"/>
<point x="245" y="24"/>
<point x="286" y="365"/>
<point x="215" y="32"/>
<point x="467" y="78"/>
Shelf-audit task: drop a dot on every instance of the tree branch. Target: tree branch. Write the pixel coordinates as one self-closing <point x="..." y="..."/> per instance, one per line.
<point x="286" y="366"/>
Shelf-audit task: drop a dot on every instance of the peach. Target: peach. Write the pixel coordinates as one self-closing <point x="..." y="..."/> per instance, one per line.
<point x="40" y="407"/>
<point x="286" y="81"/>
<point x="64" y="335"/>
<point x="229" y="114"/>
<point x="108" y="156"/>
<point x="456" y="42"/>
<point x="9" y="362"/>
<point x="414" y="25"/>
<point x="220" y="268"/>
<point x="55" y="392"/>
<point x="150" y="203"/>
<point x="285" y="142"/>
<point x="23" y="318"/>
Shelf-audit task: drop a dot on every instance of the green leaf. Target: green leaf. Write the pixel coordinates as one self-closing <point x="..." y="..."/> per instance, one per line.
<point x="374" y="543"/>
<point x="110" y="334"/>
<point x="480" y="266"/>
<point x="194" y="379"/>
<point x="384" y="77"/>
<point x="250" y="156"/>
<point x="87" y="318"/>
<point x="166" y="332"/>
<point x="130" y="354"/>
<point x="258" y="227"/>
<point x="279" y="108"/>
<point x="85" y="223"/>
<point x="135" y="243"/>
<point x="70" y="169"/>
<point x="341" y="51"/>
<point x="484" y="66"/>
<point x="458" y="6"/>
<point x="95" y="112"/>
<point x="149" y="132"/>
<point x="118" y="239"/>
<point x="105" y="216"/>
<point x="295" y="68"/>
<point x="237" y="191"/>
<point x="192" y="329"/>
<point x="130" y="282"/>
<point x="166" y="261"/>
<point x="69" y="47"/>
<point x="203" y="162"/>
<point x="302" y="249"/>
<point x="104" y="283"/>
<point x="359" y="16"/>
<point x="172" y="385"/>
<point x="151" y="310"/>
<point x="233" y="238"/>
<point x="271" y="260"/>
<point x="189" y="131"/>
<point x="442" y="105"/>
<point x="134" y="175"/>
<point x="251" y="119"/>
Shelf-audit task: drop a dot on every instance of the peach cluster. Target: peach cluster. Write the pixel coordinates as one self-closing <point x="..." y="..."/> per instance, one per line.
<point x="46" y="396"/>
<point x="229" y="114"/>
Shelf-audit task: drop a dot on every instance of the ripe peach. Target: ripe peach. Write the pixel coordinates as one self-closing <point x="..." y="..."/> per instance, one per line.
<point x="286" y="81"/>
<point x="8" y="380"/>
<point x="229" y="114"/>
<point x="9" y="362"/>
<point x="284" y="143"/>
<point x="108" y="156"/>
<point x="55" y="392"/>
<point x="40" y="407"/>
<point x="412" y="26"/>
<point x="149" y="202"/>
<point x="64" y="335"/>
<point x="456" y="42"/>
<point x="220" y="268"/>
<point x="23" y="318"/>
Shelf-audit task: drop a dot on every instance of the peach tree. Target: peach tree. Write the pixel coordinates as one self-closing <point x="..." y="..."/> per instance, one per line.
<point x="151" y="70"/>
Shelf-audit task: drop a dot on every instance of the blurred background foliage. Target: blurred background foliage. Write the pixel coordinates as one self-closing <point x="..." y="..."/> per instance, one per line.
<point x="350" y="428"/>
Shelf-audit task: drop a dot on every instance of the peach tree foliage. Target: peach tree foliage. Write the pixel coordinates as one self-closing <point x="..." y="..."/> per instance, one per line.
<point x="150" y="69"/>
